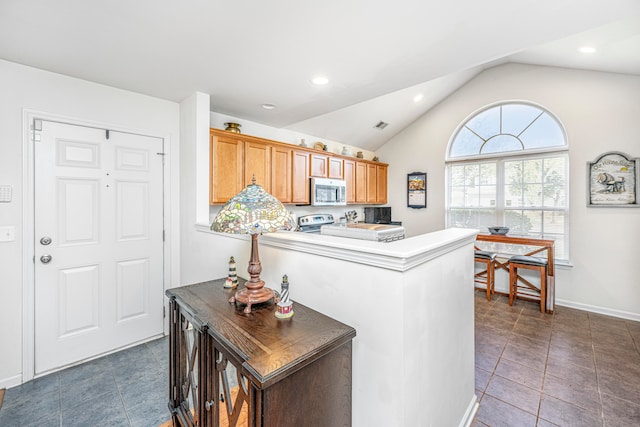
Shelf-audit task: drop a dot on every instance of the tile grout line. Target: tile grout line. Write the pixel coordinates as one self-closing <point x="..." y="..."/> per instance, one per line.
<point x="595" y="364"/>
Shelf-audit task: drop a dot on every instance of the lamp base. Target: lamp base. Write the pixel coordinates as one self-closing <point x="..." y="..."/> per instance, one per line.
<point x="253" y="297"/>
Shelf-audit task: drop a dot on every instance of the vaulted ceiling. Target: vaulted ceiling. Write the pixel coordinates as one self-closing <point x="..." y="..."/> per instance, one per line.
<point x="378" y="55"/>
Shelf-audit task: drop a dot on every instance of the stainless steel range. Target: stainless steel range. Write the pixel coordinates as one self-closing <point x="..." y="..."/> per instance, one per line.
<point x="313" y="223"/>
<point x="375" y="232"/>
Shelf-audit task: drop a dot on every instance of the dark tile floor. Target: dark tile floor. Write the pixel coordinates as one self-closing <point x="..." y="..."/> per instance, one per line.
<point x="572" y="368"/>
<point x="128" y="388"/>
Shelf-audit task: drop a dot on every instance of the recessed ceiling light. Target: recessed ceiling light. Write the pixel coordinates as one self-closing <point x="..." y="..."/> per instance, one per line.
<point x="268" y="106"/>
<point x="320" y="80"/>
<point x="418" y="97"/>
<point x="587" y="49"/>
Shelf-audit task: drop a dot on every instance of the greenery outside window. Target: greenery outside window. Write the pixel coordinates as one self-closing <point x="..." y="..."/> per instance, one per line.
<point x="508" y="165"/>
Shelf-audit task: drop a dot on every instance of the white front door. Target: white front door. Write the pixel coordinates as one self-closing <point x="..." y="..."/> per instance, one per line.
<point x="98" y="242"/>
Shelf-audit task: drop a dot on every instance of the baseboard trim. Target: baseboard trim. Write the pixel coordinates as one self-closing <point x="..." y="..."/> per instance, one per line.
<point x="599" y="310"/>
<point x="11" y="381"/>
<point x="470" y="413"/>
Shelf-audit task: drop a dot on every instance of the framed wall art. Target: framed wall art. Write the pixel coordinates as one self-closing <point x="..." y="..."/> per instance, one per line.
<point x="612" y="181"/>
<point x="417" y="190"/>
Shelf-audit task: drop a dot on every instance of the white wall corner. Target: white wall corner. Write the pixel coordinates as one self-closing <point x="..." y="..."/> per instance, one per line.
<point x="194" y="131"/>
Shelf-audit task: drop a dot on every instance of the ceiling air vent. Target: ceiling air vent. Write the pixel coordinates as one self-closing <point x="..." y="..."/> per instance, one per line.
<point x="381" y="125"/>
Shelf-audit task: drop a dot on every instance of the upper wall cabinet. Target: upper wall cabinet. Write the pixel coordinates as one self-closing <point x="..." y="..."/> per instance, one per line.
<point x="227" y="172"/>
<point x="281" y="158"/>
<point x="257" y="164"/>
<point x="284" y="170"/>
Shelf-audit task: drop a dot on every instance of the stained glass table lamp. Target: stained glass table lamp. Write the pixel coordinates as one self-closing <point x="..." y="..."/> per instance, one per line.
<point x="253" y="211"/>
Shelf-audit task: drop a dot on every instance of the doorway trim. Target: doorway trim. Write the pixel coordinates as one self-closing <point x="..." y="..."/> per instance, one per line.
<point x="28" y="224"/>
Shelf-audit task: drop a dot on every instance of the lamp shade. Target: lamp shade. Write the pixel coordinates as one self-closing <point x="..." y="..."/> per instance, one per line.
<point x="252" y="211"/>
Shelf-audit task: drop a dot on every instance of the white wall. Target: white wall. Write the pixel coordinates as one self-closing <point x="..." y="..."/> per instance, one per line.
<point x="32" y="89"/>
<point x="600" y="112"/>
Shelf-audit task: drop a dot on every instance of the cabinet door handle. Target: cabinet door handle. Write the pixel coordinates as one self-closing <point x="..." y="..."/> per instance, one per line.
<point x="209" y="404"/>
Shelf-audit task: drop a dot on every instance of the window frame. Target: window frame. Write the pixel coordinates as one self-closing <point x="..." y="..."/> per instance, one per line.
<point x="500" y="159"/>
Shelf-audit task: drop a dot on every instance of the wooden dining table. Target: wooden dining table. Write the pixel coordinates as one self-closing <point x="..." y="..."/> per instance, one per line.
<point x="540" y="245"/>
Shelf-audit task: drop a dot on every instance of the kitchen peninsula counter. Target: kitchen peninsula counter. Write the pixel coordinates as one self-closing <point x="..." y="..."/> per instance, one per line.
<point x="411" y="302"/>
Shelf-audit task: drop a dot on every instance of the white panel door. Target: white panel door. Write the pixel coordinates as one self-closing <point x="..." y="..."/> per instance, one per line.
<point x="99" y="242"/>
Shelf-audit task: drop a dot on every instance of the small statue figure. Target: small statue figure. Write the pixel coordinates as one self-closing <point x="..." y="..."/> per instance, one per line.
<point x="284" y="308"/>
<point x="232" y="279"/>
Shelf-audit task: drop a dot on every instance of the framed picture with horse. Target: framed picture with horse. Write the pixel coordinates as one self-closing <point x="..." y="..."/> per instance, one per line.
<point x="612" y="181"/>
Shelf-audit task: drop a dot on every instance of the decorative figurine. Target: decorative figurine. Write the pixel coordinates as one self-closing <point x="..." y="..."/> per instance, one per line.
<point x="232" y="280"/>
<point x="284" y="308"/>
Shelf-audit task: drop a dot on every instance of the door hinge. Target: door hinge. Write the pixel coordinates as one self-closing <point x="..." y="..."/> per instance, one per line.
<point x="163" y="235"/>
<point x="106" y="133"/>
<point x="164" y="311"/>
<point x="36" y="128"/>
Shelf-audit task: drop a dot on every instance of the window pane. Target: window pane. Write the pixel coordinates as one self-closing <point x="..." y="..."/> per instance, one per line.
<point x="457" y="196"/>
<point x="523" y="222"/>
<point x="457" y="175"/>
<point x="502" y="144"/>
<point x="555" y="182"/>
<point x="466" y="143"/>
<point x="472" y="218"/>
<point x="554" y="222"/>
<point x="488" y="173"/>
<point x="486" y="124"/>
<point x="544" y="132"/>
<point x="523" y="183"/>
<point x="516" y="117"/>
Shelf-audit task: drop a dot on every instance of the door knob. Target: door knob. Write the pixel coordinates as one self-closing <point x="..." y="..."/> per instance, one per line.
<point x="45" y="241"/>
<point x="45" y="259"/>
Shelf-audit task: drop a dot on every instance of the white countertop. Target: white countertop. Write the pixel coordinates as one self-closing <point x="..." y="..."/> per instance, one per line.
<point x="400" y="255"/>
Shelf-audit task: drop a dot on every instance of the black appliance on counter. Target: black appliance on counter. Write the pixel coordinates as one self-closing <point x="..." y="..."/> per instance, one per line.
<point x="379" y="215"/>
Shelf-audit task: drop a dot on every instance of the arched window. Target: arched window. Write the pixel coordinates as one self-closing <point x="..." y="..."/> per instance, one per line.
<point x="507" y="164"/>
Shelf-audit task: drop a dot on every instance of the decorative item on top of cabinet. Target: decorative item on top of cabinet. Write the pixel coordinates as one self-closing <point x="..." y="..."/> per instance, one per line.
<point x="232" y="127"/>
<point x="284" y="307"/>
<point x="232" y="279"/>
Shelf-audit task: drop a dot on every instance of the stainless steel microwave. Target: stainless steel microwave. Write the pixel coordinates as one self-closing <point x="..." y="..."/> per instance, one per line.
<point x="328" y="192"/>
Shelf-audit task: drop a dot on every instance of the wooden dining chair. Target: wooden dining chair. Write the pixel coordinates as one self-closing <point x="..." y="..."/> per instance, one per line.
<point x="486" y="276"/>
<point x="520" y="286"/>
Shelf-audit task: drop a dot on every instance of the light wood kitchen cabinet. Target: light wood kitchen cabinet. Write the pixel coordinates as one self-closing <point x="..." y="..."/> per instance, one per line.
<point x="335" y="168"/>
<point x="372" y="183"/>
<point x="226" y="171"/>
<point x="281" y="173"/>
<point x="257" y="162"/>
<point x="319" y="165"/>
<point x="300" y="177"/>
<point x="350" y="179"/>
<point x="381" y="184"/>
<point x="284" y="170"/>
<point x="361" y="182"/>
<point x="376" y="183"/>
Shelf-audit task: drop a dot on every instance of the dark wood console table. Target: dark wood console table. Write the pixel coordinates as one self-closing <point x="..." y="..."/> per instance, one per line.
<point x="542" y="245"/>
<point x="231" y="368"/>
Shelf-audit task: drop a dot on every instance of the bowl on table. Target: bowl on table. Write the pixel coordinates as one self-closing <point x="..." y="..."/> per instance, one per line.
<point x="498" y="230"/>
